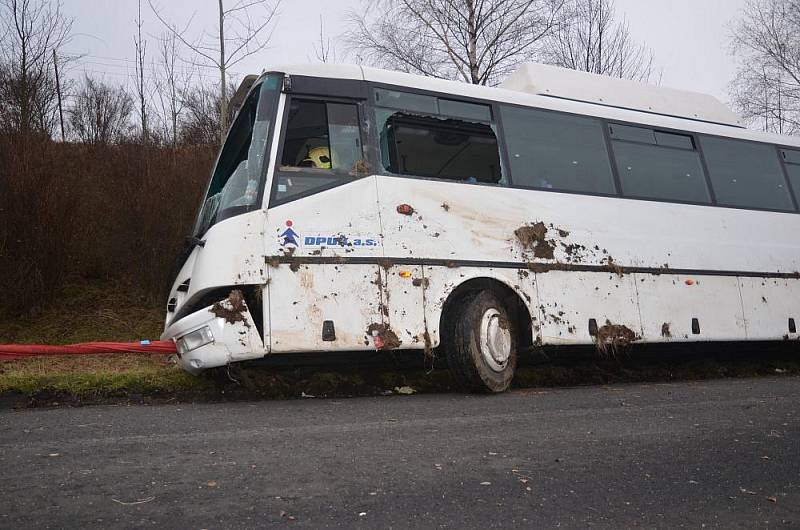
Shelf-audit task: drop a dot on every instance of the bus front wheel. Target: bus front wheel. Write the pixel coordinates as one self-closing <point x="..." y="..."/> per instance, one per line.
<point x="482" y="354"/>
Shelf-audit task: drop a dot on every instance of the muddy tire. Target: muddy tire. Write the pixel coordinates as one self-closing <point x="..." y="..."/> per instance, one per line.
<point x="482" y="349"/>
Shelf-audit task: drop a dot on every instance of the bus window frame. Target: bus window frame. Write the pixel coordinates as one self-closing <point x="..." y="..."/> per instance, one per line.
<point x="695" y="137"/>
<point x="374" y="138"/>
<point x="371" y="145"/>
<point x="264" y="172"/>
<point x="276" y="167"/>
<point x="793" y="193"/>
<point x="606" y="141"/>
<point x="697" y="148"/>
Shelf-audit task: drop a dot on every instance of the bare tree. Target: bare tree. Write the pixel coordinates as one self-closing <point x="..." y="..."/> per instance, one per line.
<point x="31" y="30"/>
<point x="201" y="120"/>
<point x="244" y="28"/>
<point x="766" y="41"/>
<point x="100" y="113"/>
<point x="477" y="41"/>
<point x="172" y="82"/>
<point x="591" y="39"/>
<point x="141" y="91"/>
<point x="324" y="51"/>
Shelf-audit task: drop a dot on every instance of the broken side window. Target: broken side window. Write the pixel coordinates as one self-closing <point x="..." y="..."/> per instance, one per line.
<point x="434" y="137"/>
<point x="321" y="148"/>
<point x="440" y="148"/>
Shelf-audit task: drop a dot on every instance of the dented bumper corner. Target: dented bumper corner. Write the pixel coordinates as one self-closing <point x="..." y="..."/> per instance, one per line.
<point x="216" y="335"/>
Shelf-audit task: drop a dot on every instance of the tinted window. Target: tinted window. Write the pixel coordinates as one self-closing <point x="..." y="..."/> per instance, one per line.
<point x="794" y="178"/>
<point x="654" y="172"/>
<point x="406" y="100"/>
<point x="459" y="109"/>
<point x="321" y="146"/>
<point x="548" y="150"/>
<point x="658" y="165"/>
<point x="440" y="148"/>
<point x="746" y="174"/>
<point x="682" y="141"/>
<point x="432" y="105"/>
<point x="791" y="157"/>
<point x="633" y="134"/>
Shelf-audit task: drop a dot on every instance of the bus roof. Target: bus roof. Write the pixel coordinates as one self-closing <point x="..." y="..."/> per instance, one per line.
<point x="553" y="88"/>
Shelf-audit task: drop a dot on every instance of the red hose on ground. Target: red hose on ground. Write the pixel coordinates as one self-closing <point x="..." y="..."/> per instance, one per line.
<point x="10" y="352"/>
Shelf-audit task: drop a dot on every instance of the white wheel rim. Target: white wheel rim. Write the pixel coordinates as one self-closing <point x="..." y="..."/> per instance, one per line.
<point x="495" y="340"/>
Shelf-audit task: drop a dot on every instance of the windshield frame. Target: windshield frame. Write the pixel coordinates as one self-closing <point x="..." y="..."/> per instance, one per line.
<point x="268" y="101"/>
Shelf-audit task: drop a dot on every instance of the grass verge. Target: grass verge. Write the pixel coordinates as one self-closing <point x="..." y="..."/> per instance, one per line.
<point x="98" y="379"/>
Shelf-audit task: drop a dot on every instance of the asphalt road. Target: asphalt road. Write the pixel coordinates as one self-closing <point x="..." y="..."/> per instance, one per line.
<point x="723" y="454"/>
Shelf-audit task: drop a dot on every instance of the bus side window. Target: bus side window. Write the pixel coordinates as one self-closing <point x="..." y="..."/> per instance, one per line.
<point x="440" y="148"/>
<point x="792" y="159"/>
<point x="746" y="174"/>
<point x="321" y="147"/>
<point x="321" y="135"/>
<point x="554" y="151"/>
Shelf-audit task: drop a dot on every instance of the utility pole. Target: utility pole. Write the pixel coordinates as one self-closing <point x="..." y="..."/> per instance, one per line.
<point x="141" y="51"/>
<point x="58" y="92"/>
<point x="223" y="100"/>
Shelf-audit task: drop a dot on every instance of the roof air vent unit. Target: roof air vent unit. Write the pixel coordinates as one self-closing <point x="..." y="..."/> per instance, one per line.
<point x="545" y="80"/>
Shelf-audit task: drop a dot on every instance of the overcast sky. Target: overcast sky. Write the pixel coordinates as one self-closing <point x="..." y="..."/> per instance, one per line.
<point x="689" y="37"/>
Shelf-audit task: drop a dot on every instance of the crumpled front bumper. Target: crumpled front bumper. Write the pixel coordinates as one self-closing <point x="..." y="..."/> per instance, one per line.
<point x="235" y="336"/>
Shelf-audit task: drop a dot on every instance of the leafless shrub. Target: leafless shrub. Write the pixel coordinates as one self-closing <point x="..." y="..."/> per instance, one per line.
<point x="100" y="113"/>
<point x="201" y="120"/>
<point x="94" y="211"/>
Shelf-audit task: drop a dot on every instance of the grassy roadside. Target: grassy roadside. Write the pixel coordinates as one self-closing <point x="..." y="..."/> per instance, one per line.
<point x="106" y="310"/>
<point x="85" y="311"/>
<point x="97" y="379"/>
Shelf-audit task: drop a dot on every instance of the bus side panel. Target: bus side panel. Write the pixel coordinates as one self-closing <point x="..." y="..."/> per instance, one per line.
<point x="769" y="303"/>
<point x="402" y="294"/>
<point x="669" y="302"/>
<point x="568" y="300"/>
<point x="302" y="300"/>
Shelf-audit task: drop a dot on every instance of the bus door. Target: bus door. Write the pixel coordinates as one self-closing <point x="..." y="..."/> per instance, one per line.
<point x="323" y="234"/>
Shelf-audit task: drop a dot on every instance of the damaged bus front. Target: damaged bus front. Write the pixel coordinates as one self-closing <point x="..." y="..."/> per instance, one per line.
<point x="215" y="308"/>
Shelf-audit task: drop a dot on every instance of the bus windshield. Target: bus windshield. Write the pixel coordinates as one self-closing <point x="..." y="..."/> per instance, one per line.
<point x="238" y="180"/>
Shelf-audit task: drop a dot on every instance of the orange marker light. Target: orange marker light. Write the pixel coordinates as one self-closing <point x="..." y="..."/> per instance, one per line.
<point x="405" y="274"/>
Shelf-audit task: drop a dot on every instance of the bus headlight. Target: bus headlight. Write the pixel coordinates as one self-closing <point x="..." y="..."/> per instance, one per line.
<point x="195" y="339"/>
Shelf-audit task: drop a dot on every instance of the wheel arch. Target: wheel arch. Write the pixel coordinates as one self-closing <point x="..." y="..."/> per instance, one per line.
<point x="510" y="294"/>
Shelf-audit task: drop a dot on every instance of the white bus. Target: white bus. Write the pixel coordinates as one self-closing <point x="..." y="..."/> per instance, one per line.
<point x="355" y="209"/>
